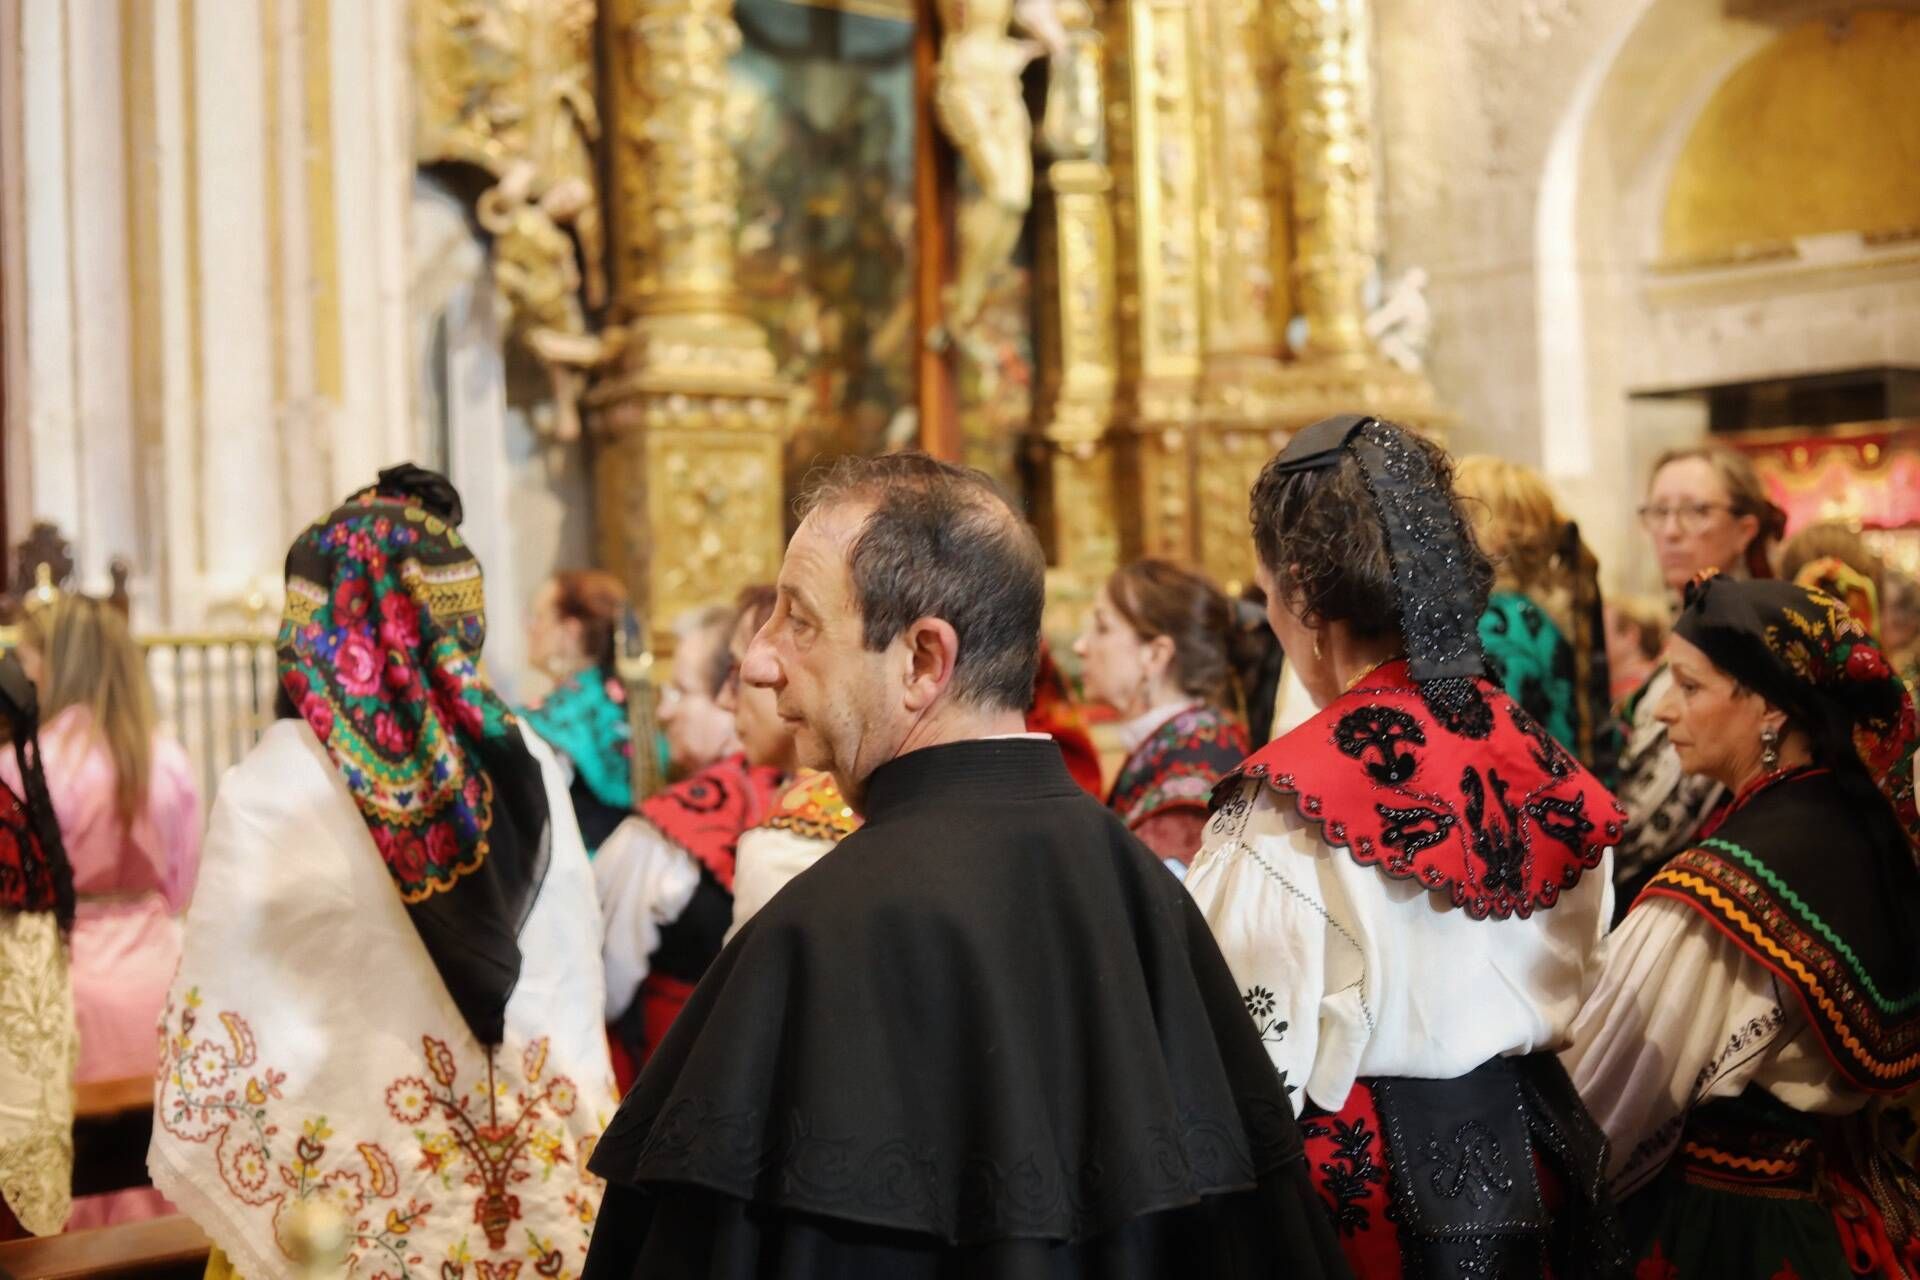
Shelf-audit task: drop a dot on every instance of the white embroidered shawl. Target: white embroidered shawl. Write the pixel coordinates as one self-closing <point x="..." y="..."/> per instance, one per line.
<point x="38" y="1051"/>
<point x="311" y="1049"/>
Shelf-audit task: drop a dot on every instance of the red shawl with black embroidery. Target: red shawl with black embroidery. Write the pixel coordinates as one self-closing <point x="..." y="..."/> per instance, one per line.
<point x="706" y="814"/>
<point x="1476" y="802"/>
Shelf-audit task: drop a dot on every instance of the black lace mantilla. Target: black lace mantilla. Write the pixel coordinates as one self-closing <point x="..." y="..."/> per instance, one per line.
<point x="1441" y="600"/>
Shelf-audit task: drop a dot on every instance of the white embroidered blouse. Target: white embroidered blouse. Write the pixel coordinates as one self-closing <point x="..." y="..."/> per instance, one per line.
<point x="1682" y="1015"/>
<point x="1348" y="973"/>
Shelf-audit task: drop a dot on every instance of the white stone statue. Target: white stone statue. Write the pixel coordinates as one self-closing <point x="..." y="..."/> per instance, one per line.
<point x="1074" y="126"/>
<point x="1401" y="325"/>
<point x="977" y="100"/>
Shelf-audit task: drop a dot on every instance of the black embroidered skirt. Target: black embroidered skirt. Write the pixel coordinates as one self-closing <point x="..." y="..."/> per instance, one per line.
<point x="1494" y="1173"/>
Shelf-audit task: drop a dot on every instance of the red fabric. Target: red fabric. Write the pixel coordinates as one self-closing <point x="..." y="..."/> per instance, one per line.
<point x="661" y="999"/>
<point x="706" y="814"/>
<point x="1863" y="1234"/>
<point x="26" y="876"/>
<point x="1493" y="813"/>
<point x="626" y="1067"/>
<point x="1348" y="1158"/>
<point x="1053" y="711"/>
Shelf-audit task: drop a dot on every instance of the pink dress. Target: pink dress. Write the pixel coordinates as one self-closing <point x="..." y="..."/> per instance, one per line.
<point x="132" y="885"/>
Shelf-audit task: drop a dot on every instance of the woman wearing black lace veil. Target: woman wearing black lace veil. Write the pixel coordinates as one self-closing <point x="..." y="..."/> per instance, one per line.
<point x="1411" y="887"/>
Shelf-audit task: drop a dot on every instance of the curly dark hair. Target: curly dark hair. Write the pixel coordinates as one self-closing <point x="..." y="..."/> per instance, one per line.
<point x="1318" y="536"/>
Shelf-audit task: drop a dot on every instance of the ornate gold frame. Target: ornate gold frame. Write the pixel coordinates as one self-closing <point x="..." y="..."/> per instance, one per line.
<point x="1234" y="192"/>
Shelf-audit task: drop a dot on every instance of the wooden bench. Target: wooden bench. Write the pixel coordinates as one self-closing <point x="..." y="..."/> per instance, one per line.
<point x="112" y="1124"/>
<point x="154" y="1249"/>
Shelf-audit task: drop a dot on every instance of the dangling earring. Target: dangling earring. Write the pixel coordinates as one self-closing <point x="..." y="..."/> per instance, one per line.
<point x="1769" y="748"/>
<point x="1316" y="646"/>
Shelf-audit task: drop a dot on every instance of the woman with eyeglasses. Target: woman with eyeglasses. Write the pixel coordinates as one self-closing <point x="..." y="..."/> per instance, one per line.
<point x="666" y="875"/>
<point x="1706" y="511"/>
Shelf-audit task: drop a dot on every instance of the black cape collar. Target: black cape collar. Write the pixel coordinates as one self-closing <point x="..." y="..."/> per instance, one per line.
<point x="983" y="770"/>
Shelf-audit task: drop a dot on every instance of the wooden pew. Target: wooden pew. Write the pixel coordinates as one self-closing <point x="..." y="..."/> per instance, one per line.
<point x="112" y="1124"/>
<point x="154" y="1249"/>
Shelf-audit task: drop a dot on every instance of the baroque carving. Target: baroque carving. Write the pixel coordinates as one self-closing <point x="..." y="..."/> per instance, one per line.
<point x="977" y="100"/>
<point x="508" y="87"/>
<point x="692" y="430"/>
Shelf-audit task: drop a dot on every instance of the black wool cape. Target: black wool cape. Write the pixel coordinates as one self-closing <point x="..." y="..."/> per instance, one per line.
<point x="987" y="1036"/>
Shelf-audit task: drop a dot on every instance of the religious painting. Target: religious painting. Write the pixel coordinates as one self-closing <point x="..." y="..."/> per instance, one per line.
<point x="822" y="117"/>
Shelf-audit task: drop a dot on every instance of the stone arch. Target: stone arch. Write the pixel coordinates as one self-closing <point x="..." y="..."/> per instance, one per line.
<point x="1615" y="316"/>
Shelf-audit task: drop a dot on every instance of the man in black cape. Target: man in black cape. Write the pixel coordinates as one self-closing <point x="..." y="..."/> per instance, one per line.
<point x="988" y="1035"/>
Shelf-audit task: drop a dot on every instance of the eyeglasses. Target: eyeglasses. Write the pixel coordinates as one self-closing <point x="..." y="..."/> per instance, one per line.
<point x="1691" y="517"/>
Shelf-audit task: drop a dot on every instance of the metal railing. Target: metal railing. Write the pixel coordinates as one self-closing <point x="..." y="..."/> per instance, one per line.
<point x="214" y="692"/>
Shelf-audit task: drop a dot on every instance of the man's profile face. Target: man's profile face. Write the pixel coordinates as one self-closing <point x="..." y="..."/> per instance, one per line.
<point x="841" y="701"/>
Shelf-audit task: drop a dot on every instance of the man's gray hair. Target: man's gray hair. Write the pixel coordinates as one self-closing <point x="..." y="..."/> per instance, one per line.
<point x="943" y="541"/>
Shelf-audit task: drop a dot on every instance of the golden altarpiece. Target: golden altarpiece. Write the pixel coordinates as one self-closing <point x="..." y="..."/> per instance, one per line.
<point x="1190" y="182"/>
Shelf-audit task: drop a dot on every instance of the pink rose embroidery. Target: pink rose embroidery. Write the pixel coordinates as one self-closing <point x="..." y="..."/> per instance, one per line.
<point x="352" y="598"/>
<point x="388" y="732"/>
<point x="408" y="858"/>
<point x="358" y="665"/>
<point x="400" y="676"/>
<point x="318" y="715"/>
<point x="443" y="847"/>
<point x="399" y="622"/>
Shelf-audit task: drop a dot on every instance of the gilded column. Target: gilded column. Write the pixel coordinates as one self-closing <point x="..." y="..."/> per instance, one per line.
<point x="1156" y="167"/>
<point x="1330" y="117"/>
<point x="1325" y="46"/>
<point x="1079" y="348"/>
<point x="690" y="432"/>
<point x="1247" y="298"/>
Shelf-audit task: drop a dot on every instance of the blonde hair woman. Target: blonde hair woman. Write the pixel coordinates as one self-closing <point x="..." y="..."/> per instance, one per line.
<point x="1542" y="630"/>
<point x="129" y="816"/>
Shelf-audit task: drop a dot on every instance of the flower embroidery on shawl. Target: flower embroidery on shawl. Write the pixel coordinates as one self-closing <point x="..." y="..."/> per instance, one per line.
<point x="214" y="1088"/>
<point x="471" y="1135"/>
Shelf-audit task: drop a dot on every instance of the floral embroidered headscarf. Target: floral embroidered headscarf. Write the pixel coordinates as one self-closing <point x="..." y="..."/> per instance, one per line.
<point x="379" y="653"/>
<point x="1805" y="653"/>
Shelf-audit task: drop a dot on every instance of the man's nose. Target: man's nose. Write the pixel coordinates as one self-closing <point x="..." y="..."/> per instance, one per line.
<point x="760" y="667"/>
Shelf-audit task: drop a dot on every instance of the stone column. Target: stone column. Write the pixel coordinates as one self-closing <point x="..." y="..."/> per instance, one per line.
<point x="689" y="434"/>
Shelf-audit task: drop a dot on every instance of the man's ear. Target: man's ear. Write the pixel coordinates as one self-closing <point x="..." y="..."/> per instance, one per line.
<point x="932" y="649"/>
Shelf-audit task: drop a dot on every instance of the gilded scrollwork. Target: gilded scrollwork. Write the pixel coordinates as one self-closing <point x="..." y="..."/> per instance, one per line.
<point x="693" y="427"/>
<point x="508" y="86"/>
